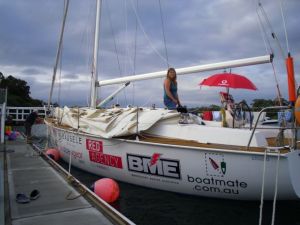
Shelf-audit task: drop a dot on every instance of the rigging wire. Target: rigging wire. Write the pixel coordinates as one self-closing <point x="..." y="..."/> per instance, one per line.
<point x="134" y="55"/>
<point x="279" y="96"/>
<point x="150" y="98"/>
<point x="271" y="29"/>
<point x="126" y="46"/>
<point x="114" y="37"/>
<point x="126" y="37"/>
<point x="145" y="34"/>
<point x="284" y="27"/>
<point x="163" y="31"/>
<point x="265" y="38"/>
<point x="86" y="41"/>
<point x="263" y="33"/>
<point x="59" y="78"/>
<point x="138" y="22"/>
<point x="60" y="69"/>
<point x="58" y="53"/>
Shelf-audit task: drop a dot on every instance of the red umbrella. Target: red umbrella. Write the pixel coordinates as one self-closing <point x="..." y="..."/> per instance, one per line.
<point x="228" y="80"/>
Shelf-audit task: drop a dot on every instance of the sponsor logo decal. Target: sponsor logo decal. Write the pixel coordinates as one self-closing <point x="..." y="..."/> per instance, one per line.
<point x="223" y="83"/>
<point x="215" y="181"/>
<point x="95" y="149"/>
<point x="154" y="159"/>
<point x="93" y="145"/>
<point x="154" y="165"/>
<point x="215" y="164"/>
<point x="105" y="159"/>
<point x="217" y="185"/>
<point x="74" y="154"/>
<point x="68" y="137"/>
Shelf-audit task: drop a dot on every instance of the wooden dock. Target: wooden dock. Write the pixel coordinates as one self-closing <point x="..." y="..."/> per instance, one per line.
<point x="22" y="169"/>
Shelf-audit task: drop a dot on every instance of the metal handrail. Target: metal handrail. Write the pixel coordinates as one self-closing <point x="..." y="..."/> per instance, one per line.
<point x="263" y="110"/>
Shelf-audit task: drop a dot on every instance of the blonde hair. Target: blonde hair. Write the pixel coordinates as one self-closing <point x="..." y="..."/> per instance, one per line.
<point x="172" y="79"/>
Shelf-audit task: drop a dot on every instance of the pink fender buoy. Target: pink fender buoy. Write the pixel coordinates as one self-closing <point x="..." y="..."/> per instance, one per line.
<point x="107" y="189"/>
<point x="53" y="154"/>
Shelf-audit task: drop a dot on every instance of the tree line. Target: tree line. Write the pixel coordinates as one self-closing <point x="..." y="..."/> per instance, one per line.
<point x="255" y="105"/>
<point x="18" y="92"/>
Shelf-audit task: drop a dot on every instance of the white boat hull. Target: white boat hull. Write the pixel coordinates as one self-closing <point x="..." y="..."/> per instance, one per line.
<point x="189" y="170"/>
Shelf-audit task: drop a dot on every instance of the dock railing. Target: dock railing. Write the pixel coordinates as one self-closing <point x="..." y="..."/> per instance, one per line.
<point x="19" y="114"/>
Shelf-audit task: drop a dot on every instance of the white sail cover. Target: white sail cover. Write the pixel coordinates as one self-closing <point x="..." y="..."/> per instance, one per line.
<point x="113" y="122"/>
<point x="118" y="122"/>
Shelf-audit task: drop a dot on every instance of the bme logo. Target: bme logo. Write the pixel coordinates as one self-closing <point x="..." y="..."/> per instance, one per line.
<point x="154" y="165"/>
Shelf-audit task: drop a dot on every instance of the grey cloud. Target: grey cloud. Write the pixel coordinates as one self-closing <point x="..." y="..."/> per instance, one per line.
<point x="31" y="71"/>
<point x="197" y="32"/>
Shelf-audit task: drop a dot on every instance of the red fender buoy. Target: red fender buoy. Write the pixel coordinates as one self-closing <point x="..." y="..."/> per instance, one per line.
<point x="107" y="189"/>
<point x="53" y="154"/>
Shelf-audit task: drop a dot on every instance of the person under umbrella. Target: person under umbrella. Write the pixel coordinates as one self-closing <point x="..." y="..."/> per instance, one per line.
<point x="228" y="80"/>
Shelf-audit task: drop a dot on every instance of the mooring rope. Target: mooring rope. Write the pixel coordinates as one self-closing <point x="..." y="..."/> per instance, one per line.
<point x="262" y="189"/>
<point x="276" y="188"/>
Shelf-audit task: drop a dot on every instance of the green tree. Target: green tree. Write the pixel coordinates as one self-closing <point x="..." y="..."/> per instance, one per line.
<point x="260" y="103"/>
<point x="18" y="92"/>
<point x="16" y="86"/>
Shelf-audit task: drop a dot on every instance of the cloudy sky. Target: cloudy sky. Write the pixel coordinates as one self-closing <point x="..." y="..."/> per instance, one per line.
<point x="196" y="32"/>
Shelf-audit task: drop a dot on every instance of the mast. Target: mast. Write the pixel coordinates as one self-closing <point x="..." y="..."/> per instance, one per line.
<point x="58" y="53"/>
<point x="192" y="69"/>
<point x="94" y="79"/>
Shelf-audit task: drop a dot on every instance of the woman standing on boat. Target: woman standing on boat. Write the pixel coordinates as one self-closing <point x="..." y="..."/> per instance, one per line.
<point x="171" y="99"/>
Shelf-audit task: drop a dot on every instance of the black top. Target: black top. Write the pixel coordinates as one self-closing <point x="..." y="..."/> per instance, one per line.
<point x="31" y="118"/>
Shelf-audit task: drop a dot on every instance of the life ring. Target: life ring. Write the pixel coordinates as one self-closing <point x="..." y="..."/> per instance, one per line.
<point x="297" y="110"/>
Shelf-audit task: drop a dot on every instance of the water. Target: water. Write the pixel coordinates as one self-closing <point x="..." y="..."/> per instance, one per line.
<point x="147" y="206"/>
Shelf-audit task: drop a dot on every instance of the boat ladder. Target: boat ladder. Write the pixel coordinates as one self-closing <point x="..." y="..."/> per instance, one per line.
<point x="270" y="150"/>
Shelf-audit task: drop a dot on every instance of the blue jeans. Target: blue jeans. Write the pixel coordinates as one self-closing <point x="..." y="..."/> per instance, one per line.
<point x="169" y="103"/>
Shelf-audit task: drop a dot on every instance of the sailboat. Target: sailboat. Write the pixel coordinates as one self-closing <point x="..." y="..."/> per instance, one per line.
<point x="153" y="147"/>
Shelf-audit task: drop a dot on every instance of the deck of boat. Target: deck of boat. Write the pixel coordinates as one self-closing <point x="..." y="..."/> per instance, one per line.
<point x="189" y="143"/>
<point x="272" y="142"/>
